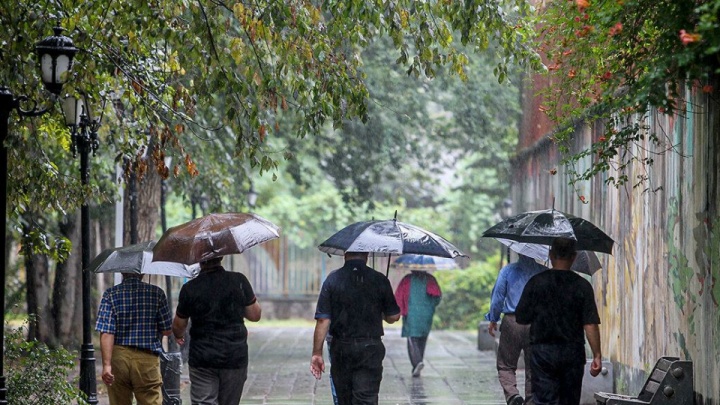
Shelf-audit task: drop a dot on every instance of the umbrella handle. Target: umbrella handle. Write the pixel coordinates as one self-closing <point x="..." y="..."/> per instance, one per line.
<point x="387" y="272"/>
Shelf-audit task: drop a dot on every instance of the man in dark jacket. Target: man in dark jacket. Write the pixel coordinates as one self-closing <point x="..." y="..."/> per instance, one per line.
<point x="560" y="305"/>
<point x="353" y="302"/>
<point x="218" y="302"/>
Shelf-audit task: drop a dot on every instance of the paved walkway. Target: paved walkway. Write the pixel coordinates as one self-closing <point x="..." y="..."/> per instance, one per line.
<point x="455" y="371"/>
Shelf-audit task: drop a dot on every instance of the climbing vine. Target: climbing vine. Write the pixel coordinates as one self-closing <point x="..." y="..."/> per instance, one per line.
<point x="615" y="61"/>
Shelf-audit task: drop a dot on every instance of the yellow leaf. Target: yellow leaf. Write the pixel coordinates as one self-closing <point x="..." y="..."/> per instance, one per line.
<point x="239" y="10"/>
<point x="315" y="15"/>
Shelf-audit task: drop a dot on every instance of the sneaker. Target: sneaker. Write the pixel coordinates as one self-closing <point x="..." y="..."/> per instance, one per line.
<point x="418" y="369"/>
<point x="516" y="400"/>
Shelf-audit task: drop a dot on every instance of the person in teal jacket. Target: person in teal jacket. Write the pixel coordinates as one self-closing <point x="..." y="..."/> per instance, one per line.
<point x="417" y="296"/>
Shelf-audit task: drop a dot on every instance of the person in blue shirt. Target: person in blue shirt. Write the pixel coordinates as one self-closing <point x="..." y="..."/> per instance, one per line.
<point x="513" y="337"/>
<point x="132" y="318"/>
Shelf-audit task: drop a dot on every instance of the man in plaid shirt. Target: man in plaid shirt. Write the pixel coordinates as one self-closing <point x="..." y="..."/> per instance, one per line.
<point x="132" y="318"/>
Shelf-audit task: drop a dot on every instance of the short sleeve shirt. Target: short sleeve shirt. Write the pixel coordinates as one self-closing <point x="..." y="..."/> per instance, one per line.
<point x="136" y="313"/>
<point x="356" y="298"/>
<point x="557" y="304"/>
<point x="215" y="302"/>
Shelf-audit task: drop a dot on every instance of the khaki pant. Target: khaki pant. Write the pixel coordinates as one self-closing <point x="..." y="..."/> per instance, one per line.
<point x="136" y="372"/>
<point x="513" y="338"/>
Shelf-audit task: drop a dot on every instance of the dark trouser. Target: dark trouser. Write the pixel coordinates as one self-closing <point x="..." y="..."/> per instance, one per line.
<point x="216" y="386"/>
<point x="513" y="339"/>
<point x="332" y="385"/>
<point x="557" y="373"/>
<point x="416" y="349"/>
<point x="356" y="370"/>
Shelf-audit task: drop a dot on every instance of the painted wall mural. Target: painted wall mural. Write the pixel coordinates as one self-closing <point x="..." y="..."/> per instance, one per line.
<point x="659" y="292"/>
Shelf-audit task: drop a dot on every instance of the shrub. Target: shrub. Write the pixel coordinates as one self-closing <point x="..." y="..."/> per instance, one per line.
<point x="37" y="374"/>
<point x="466" y="295"/>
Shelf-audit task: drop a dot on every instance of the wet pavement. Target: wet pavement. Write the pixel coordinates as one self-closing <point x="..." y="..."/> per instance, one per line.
<point x="279" y="373"/>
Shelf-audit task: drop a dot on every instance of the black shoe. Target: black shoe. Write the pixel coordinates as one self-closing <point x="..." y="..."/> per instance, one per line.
<point x="516" y="400"/>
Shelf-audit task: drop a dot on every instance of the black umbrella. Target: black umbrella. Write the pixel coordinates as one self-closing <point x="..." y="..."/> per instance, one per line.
<point x="542" y="227"/>
<point x="386" y="238"/>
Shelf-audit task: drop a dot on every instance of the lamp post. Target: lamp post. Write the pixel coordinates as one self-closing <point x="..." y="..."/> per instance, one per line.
<point x="505" y="213"/>
<point x="252" y="196"/>
<point x="56" y="56"/>
<point x="172" y="344"/>
<point x="84" y="140"/>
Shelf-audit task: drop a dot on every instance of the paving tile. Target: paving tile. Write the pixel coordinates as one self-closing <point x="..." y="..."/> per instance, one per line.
<point x="455" y="371"/>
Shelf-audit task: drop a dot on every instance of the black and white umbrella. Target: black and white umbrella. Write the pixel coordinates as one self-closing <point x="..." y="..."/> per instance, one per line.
<point x="138" y="258"/>
<point x="586" y="261"/>
<point x="387" y="238"/>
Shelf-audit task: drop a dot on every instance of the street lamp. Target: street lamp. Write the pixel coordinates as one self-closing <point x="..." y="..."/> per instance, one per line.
<point x="252" y="196"/>
<point x="83" y="128"/>
<point x="505" y="213"/>
<point x="56" y="57"/>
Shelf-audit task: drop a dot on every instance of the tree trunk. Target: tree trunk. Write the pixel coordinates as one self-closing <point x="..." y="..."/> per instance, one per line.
<point x="105" y="239"/>
<point x="67" y="297"/>
<point x="147" y="203"/>
<point x="37" y="273"/>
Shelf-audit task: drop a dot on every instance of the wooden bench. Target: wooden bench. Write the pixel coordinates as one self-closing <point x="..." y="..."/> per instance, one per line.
<point x="670" y="383"/>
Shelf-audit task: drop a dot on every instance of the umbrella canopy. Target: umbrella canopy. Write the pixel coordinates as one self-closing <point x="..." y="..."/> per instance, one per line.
<point x="586" y="261"/>
<point x="138" y="258"/>
<point x="542" y="227"/>
<point x="389" y="237"/>
<point x="212" y="236"/>
<point x="423" y="262"/>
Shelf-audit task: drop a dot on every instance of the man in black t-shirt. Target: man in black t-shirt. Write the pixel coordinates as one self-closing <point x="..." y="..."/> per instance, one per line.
<point x="352" y="304"/>
<point x="560" y="307"/>
<point x="218" y="302"/>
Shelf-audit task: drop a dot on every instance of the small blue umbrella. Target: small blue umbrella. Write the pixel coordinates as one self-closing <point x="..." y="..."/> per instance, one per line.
<point x="424" y="262"/>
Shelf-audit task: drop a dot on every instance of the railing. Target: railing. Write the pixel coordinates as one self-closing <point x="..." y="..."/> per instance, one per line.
<point x="279" y="268"/>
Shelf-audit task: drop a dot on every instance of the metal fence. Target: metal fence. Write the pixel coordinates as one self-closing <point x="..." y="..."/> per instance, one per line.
<point x="280" y="268"/>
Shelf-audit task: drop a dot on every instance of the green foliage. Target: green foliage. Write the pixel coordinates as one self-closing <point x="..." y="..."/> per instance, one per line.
<point x="307" y="214"/>
<point x="440" y="144"/>
<point x="466" y="295"/>
<point x="38" y="375"/>
<point x="614" y="61"/>
<point x="310" y="213"/>
<point x="214" y="84"/>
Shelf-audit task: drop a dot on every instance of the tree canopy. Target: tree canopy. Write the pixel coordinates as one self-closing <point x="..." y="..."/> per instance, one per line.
<point x="356" y="101"/>
<point x="236" y="73"/>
